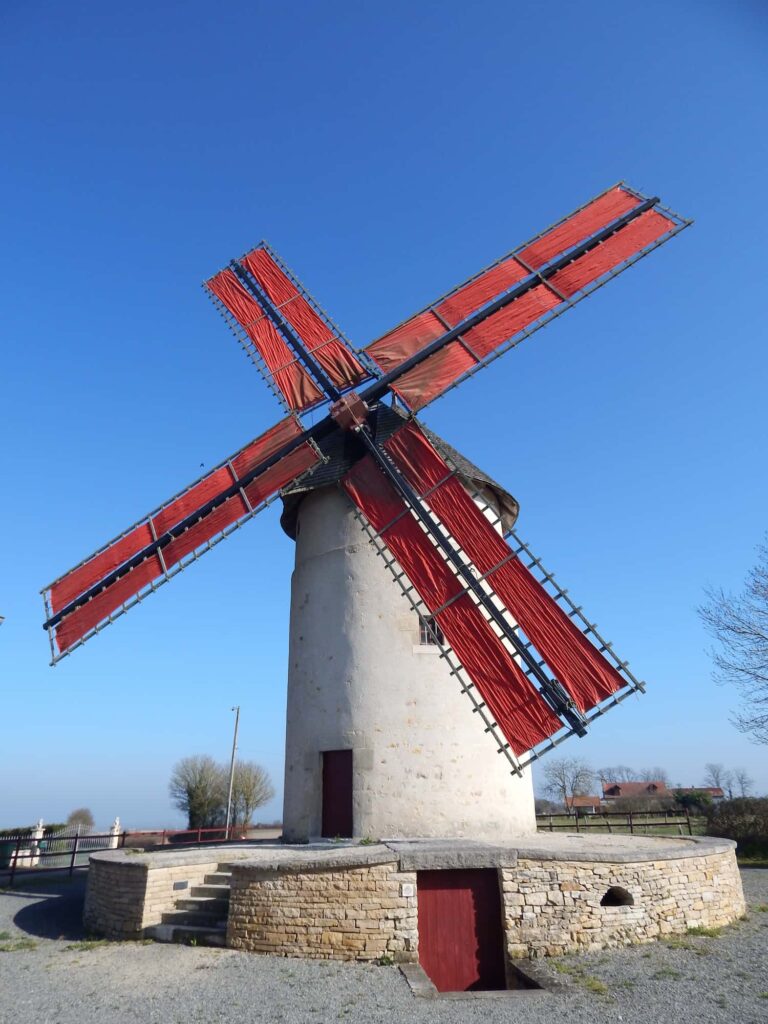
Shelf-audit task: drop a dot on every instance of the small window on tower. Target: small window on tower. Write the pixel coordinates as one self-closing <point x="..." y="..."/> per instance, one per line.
<point x="429" y="631"/>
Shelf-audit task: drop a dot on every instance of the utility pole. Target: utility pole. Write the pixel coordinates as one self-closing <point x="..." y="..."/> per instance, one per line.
<point x="232" y="767"/>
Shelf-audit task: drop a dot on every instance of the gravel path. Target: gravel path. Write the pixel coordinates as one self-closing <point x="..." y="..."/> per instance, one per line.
<point x="50" y="975"/>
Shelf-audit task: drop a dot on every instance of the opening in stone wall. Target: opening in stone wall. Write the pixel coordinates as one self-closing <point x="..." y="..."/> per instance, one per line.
<point x="617" y="897"/>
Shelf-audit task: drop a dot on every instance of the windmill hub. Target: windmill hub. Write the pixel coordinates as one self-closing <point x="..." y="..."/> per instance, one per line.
<point x="350" y="411"/>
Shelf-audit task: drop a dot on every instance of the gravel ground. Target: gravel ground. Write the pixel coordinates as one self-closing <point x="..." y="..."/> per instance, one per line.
<point x="50" y="974"/>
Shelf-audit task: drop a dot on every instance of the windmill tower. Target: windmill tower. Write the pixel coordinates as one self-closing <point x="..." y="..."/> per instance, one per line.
<point x="369" y="492"/>
<point x="378" y="740"/>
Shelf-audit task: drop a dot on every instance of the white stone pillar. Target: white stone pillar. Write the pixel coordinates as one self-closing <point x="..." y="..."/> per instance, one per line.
<point x="114" y="834"/>
<point x="38" y="832"/>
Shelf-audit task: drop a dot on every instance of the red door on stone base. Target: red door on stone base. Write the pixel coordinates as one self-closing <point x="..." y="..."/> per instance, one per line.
<point x="461" y="939"/>
<point x="337" y="794"/>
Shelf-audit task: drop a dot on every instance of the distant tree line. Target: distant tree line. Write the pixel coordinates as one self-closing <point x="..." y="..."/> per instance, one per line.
<point x="199" y="787"/>
<point x="569" y="777"/>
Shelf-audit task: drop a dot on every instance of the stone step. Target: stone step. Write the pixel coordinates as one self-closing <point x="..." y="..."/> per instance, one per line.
<point x="218" y="878"/>
<point x="204" y="905"/>
<point x="220" y="892"/>
<point x="194" y="918"/>
<point x="189" y="935"/>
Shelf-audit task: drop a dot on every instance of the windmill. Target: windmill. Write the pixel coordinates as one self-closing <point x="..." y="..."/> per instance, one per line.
<point x="534" y="668"/>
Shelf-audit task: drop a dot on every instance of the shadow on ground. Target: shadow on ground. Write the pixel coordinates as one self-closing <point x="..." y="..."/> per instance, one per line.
<point x="57" y="911"/>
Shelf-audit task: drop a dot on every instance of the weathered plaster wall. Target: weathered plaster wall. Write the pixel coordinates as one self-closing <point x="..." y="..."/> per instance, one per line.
<point x="422" y="764"/>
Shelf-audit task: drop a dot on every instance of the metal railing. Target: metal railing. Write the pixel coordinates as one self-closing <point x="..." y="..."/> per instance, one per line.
<point x="25" y="855"/>
<point x="186" y="836"/>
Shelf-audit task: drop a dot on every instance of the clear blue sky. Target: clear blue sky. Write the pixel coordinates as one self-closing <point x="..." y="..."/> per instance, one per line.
<point x="386" y="151"/>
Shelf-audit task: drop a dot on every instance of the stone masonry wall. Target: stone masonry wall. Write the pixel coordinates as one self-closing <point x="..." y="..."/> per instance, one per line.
<point x="124" y="898"/>
<point x="360" y="913"/>
<point x="114" y="899"/>
<point x="553" y="907"/>
<point x="361" y="903"/>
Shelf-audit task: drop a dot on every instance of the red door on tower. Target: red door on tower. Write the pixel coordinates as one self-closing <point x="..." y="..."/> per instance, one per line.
<point x="337" y="794"/>
<point x="461" y="940"/>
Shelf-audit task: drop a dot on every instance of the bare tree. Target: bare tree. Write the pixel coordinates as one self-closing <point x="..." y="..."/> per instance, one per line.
<point x="80" y="816"/>
<point x="655" y="774"/>
<point x="197" y="788"/>
<point x="716" y="774"/>
<point x="617" y="773"/>
<point x="744" y="782"/>
<point x="739" y="625"/>
<point x="566" y="777"/>
<point x="251" y="788"/>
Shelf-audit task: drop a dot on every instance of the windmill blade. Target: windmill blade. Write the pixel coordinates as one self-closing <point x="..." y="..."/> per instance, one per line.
<point x="261" y="340"/>
<point x="530" y="285"/>
<point x="546" y="635"/>
<point x="267" y="306"/>
<point x="522" y="716"/>
<point x="576" y="663"/>
<point x="120" y="574"/>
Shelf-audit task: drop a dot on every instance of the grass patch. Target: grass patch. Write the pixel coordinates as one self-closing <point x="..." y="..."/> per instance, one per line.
<point x="85" y="945"/>
<point x="762" y="908"/>
<point x="594" y="985"/>
<point x="752" y="862"/>
<point x="675" y="942"/>
<point x="707" y="933"/>
<point x="562" y="968"/>
<point x="4" y="936"/>
<point x="667" y="972"/>
<point x="17" y="945"/>
<point x="580" y="976"/>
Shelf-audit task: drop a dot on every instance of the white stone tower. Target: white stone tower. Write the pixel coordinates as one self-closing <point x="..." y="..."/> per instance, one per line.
<point x="361" y="679"/>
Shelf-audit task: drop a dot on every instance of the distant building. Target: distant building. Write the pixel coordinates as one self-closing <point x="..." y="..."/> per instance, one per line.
<point x="583" y="804"/>
<point x="635" y="790"/>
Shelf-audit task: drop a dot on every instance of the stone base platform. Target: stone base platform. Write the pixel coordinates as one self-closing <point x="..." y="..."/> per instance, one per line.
<point x="560" y="893"/>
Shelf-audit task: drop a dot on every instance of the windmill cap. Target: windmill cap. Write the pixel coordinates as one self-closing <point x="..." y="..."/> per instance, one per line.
<point x="342" y="450"/>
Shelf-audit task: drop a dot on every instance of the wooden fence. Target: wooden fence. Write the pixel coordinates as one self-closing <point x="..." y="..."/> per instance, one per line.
<point x="633" y="822"/>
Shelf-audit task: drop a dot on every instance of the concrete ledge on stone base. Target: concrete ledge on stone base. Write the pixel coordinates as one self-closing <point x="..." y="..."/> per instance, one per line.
<point x="315" y="858"/>
<point x="446" y="854"/>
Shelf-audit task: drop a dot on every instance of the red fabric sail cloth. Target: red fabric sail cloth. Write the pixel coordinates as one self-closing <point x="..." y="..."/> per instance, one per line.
<point x="636" y="236"/>
<point x="431" y="378"/>
<point x="575" y="662"/>
<point x="579" y="226"/>
<point x="336" y="358"/>
<point x="77" y="582"/>
<point x="521" y="714"/>
<point x="295" y="384"/>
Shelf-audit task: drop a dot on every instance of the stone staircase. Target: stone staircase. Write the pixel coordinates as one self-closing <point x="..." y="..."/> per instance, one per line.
<point x="200" y="917"/>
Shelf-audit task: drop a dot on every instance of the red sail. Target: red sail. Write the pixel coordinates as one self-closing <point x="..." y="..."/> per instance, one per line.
<point x="295" y="384"/>
<point x="473" y="349"/>
<point x="521" y="714"/>
<point x="573" y="660"/>
<point x="331" y="352"/>
<point x="74" y="584"/>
